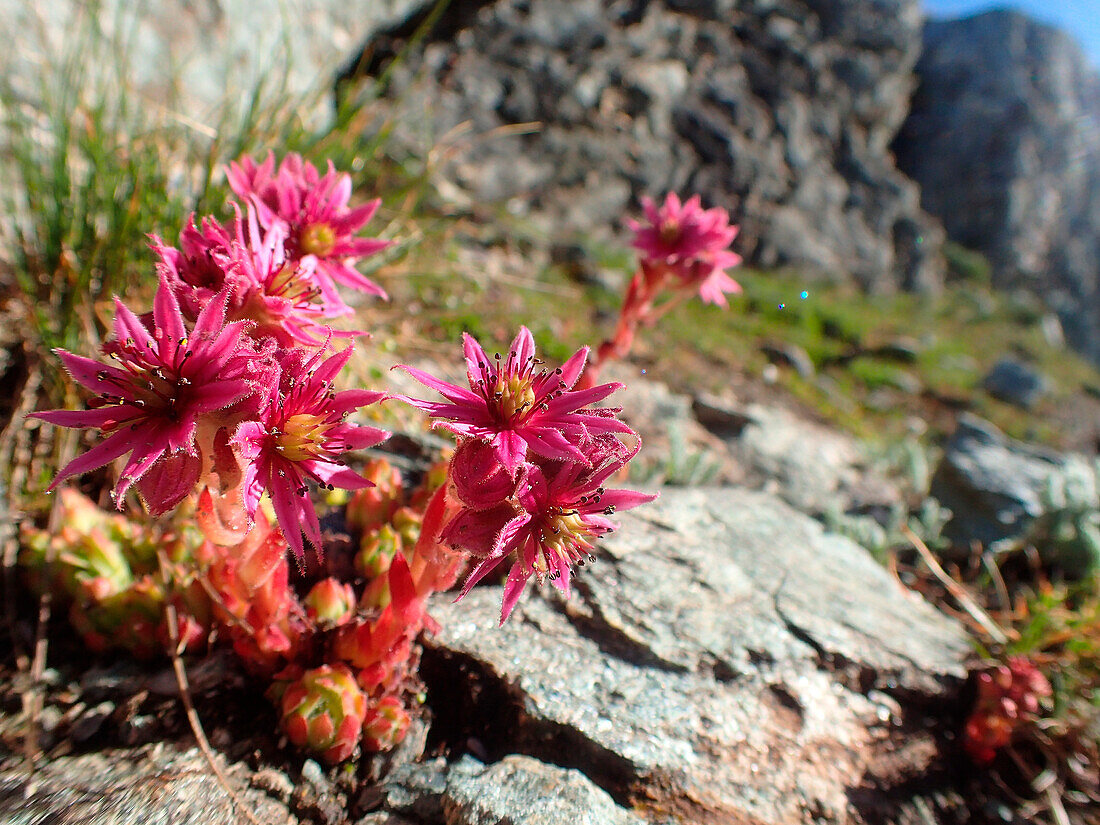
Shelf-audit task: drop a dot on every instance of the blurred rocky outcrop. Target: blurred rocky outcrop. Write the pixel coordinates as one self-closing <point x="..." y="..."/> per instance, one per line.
<point x="201" y="61"/>
<point x="781" y="110"/>
<point x="1004" y="139"/>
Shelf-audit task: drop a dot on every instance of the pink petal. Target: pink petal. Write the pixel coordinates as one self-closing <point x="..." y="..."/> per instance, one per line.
<point x="103" y="453"/>
<point x="128" y="328"/>
<point x="513" y="589"/>
<point x="288" y="509"/>
<point x="87" y="373"/>
<point x="167" y="320"/>
<point x="571" y="370"/>
<point x="475" y="358"/>
<point x="550" y="443"/>
<point x="523" y="345"/>
<point x="511" y="450"/>
<point x="451" y="392"/>
<point x="87" y="418"/>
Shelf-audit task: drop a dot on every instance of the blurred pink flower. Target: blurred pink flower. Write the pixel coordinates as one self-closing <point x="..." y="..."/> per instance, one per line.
<point x="314" y="209"/>
<point x="301" y="435"/>
<point x="150" y="401"/>
<point x="690" y="243"/>
<point x="517" y="409"/>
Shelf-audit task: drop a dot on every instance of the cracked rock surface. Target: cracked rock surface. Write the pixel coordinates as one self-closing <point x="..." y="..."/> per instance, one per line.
<point x="725" y="660"/>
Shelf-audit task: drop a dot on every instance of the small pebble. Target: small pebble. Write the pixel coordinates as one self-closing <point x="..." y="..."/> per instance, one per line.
<point x="314" y="775"/>
<point x="274" y="783"/>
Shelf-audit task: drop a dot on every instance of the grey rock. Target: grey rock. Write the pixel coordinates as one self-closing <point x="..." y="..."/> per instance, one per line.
<point x="90" y="722"/>
<point x="154" y="786"/>
<point x="273" y="782"/>
<point x="992" y="484"/>
<point x="1004" y="139"/>
<point x="519" y="789"/>
<point x="811" y="467"/>
<point x="315" y="776"/>
<point x="1017" y="383"/>
<point x="720" y="661"/>
<point x="791" y="355"/>
<point x="781" y="110"/>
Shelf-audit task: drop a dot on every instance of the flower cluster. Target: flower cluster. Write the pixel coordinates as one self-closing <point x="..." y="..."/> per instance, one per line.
<point x="230" y="379"/>
<point x="1009" y="696"/>
<point x="220" y="410"/>
<point x="527" y="478"/>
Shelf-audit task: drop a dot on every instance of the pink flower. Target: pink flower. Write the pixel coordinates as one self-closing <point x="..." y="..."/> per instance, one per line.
<point x="198" y="269"/>
<point x="282" y="295"/>
<point x="517" y="409"/>
<point x="689" y="243"/>
<point x="561" y="509"/>
<point x="301" y="435"/>
<point x="151" y="400"/>
<point x="285" y="297"/>
<point x="314" y="210"/>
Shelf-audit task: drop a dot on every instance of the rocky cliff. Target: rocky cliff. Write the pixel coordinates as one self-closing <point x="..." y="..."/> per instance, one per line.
<point x="1004" y="139"/>
<point x="782" y="110"/>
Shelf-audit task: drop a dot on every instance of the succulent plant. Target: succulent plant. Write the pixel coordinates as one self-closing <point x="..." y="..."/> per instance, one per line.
<point x="1009" y="696"/>
<point x="386" y="723"/>
<point x="323" y="710"/>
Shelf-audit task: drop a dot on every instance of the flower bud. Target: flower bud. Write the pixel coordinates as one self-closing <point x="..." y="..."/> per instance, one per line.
<point x="323" y="711"/>
<point x="385" y="725"/>
<point x="481" y="481"/>
<point x="330" y="603"/>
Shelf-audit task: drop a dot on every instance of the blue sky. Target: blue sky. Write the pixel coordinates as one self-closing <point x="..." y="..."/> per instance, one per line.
<point x="1081" y="18"/>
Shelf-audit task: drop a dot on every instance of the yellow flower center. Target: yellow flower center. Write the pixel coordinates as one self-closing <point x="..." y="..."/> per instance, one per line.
<point x="515" y="395"/>
<point x="317" y="239"/>
<point x="302" y="437"/>
<point x="289" y="284"/>
<point x="670" y="232"/>
<point x="564" y="535"/>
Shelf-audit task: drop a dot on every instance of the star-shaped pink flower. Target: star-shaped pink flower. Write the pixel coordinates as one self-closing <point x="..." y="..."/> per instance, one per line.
<point x="150" y="401"/>
<point x="300" y="437"/>
<point x="314" y="209"/>
<point x="517" y="406"/>
<point x="689" y="243"/>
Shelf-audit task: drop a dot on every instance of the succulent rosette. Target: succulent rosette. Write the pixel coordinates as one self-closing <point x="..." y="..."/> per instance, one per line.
<point x="323" y="711"/>
<point x="386" y="723"/>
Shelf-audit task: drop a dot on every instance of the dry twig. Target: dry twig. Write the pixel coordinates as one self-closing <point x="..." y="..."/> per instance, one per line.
<point x="171" y="618"/>
<point x="966" y="602"/>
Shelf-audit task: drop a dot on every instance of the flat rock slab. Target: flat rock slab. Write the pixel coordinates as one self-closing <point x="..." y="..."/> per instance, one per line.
<point x="724" y="660"/>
